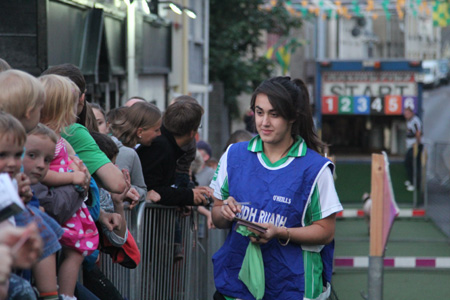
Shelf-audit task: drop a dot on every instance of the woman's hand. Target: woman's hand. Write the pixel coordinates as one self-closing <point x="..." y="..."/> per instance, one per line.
<point x="6" y="261"/>
<point x="78" y="165"/>
<point x="201" y="195"/>
<point x="262" y="238"/>
<point x="25" y="244"/>
<point x="229" y="209"/>
<point x="132" y="197"/>
<point x="23" y="184"/>
<point x="79" y="178"/>
<point x="153" y="196"/>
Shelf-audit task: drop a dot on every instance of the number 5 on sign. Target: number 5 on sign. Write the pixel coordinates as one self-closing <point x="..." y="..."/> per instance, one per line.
<point x="393" y="105"/>
<point x="345" y="105"/>
<point x="361" y="105"/>
<point x="329" y="105"/>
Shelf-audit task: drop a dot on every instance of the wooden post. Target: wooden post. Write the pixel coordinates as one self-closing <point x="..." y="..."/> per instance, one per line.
<point x="377" y="211"/>
<point x="376" y="257"/>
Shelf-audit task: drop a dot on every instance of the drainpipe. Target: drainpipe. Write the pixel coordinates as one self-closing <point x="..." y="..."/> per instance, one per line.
<point x="131" y="49"/>
<point x="185" y="54"/>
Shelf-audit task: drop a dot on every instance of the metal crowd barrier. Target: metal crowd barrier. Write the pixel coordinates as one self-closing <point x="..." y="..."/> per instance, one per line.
<point x="440" y="163"/>
<point x="161" y="233"/>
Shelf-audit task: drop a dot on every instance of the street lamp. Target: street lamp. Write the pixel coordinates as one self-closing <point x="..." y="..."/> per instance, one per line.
<point x="175" y="7"/>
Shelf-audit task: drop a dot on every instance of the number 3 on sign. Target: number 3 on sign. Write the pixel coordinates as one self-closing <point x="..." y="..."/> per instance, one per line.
<point x="376" y="106"/>
<point x="361" y="105"/>
<point x="329" y="105"/>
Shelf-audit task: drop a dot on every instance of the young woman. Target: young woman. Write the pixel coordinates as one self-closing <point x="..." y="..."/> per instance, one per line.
<point x="292" y="195"/>
<point x="129" y="126"/>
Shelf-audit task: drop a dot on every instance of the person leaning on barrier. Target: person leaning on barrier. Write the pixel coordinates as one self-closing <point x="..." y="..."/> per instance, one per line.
<point x="159" y="160"/>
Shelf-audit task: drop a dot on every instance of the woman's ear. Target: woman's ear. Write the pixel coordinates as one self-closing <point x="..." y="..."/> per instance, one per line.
<point x="139" y="132"/>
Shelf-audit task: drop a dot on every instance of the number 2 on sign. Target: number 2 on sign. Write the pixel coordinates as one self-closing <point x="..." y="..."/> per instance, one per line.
<point x="345" y="105"/>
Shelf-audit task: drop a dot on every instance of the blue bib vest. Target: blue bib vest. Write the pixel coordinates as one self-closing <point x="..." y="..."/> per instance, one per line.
<point x="277" y="196"/>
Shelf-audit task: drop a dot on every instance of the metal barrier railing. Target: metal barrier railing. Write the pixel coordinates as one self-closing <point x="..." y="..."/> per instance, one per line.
<point x="419" y="175"/>
<point x="166" y="240"/>
<point x="440" y="163"/>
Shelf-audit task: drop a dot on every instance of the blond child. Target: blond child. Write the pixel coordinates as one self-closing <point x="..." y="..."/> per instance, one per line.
<point x="40" y="148"/>
<point x="80" y="236"/>
<point x="22" y="96"/>
<point x="12" y="139"/>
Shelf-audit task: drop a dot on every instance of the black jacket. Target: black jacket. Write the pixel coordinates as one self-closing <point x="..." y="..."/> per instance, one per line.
<point x="159" y="162"/>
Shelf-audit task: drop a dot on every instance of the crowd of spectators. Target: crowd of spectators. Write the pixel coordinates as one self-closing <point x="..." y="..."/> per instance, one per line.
<point x="70" y="171"/>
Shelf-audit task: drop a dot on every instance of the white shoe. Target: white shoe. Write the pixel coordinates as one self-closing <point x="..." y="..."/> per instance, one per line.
<point x="410" y="188"/>
<point x="407" y="183"/>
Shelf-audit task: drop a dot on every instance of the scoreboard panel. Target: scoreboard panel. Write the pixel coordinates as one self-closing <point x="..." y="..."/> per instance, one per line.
<point x="368" y="93"/>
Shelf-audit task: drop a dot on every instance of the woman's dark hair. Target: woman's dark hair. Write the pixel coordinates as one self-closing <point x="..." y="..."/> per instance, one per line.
<point x="91" y="121"/>
<point x="74" y="73"/>
<point x="290" y="98"/>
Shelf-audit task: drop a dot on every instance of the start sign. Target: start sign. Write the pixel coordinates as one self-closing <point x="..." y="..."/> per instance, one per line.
<point x="368" y="93"/>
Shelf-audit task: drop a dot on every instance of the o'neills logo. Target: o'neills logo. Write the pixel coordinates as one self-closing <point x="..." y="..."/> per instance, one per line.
<point x="282" y="199"/>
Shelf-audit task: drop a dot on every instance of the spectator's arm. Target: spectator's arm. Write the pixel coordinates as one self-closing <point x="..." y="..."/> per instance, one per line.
<point x="111" y="178"/>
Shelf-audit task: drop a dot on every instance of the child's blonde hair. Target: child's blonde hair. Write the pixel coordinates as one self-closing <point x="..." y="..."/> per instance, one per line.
<point x="43" y="130"/>
<point x="4" y="66"/>
<point x="20" y="93"/>
<point x="11" y="127"/>
<point x="62" y="95"/>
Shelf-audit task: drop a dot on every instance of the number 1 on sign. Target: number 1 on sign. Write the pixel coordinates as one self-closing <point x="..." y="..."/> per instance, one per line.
<point x="329" y="105"/>
<point x="329" y="102"/>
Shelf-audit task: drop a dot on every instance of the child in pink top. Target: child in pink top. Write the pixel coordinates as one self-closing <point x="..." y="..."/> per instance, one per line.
<point x="80" y="236"/>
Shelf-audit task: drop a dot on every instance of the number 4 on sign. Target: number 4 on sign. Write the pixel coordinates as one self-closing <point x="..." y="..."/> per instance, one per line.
<point x="376" y="106"/>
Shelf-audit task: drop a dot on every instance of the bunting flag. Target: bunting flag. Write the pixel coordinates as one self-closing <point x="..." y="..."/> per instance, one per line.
<point x="439" y="10"/>
<point x="441" y="16"/>
<point x="283" y="56"/>
<point x="281" y="52"/>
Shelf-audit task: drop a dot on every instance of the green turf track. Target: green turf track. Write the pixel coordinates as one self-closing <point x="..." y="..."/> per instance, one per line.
<point x="353" y="180"/>
<point x="409" y="237"/>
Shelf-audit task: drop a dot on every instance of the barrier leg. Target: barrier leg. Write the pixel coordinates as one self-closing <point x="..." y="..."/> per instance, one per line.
<point x="376" y="277"/>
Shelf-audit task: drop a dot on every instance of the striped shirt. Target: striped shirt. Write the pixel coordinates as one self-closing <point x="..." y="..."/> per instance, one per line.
<point x="412" y="127"/>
